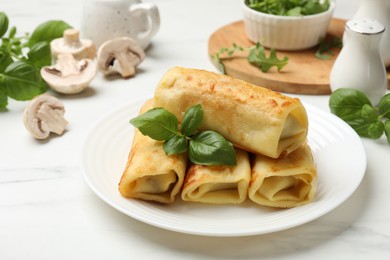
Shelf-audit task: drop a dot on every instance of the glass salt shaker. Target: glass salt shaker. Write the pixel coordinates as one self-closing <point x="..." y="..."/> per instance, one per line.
<point x="359" y="64"/>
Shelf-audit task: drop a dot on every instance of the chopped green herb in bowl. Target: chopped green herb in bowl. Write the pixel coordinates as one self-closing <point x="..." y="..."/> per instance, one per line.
<point x="287" y="24"/>
<point x="289" y="7"/>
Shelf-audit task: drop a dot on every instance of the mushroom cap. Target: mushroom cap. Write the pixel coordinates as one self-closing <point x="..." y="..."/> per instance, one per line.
<point x="44" y="114"/>
<point x="68" y="75"/>
<point x="120" y="56"/>
<point x="72" y="44"/>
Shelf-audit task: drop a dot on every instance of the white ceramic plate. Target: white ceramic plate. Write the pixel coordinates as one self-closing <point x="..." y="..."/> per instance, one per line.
<point x="337" y="150"/>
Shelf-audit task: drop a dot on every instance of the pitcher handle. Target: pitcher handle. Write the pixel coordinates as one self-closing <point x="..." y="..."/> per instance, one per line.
<point x="152" y="15"/>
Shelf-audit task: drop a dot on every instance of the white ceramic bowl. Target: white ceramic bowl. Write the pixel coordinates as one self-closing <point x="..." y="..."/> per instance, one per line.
<point x="286" y="32"/>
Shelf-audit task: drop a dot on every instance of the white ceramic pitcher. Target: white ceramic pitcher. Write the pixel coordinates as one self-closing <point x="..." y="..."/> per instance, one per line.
<point x="380" y="11"/>
<point x="103" y="20"/>
<point x="359" y="64"/>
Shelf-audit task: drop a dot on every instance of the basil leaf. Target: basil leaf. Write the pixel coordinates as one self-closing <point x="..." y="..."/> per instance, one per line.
<point x="368" y="113"/>
<point x="157" y="123"/>
<point x="366" y="123"/>
<point x="384" y="106"/>
<point x="347" y="102"/>
<point x="3" y="23"/>
<point x="192" y="120"/>
<point x="363" y="120"/>
<point x="48" y="31"/>
<point x="5" y="60"/>
<point x="3" y="97"/>
<point x="211" y="148"/>
<point x="358" y="124"/>
<point x="387" y="130"/>
<point x="175" y="145"/>
<point x="12" y="32"/>
<point x="375" y="130"/>
<point x="22" y="81"/>
<point x="39" y="54"/>
<point x="208" y="148"/>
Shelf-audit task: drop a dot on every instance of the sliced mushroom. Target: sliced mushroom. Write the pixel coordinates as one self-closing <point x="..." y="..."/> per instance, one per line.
<point x="120" y="56"/>
<point x="72" y="44"/>
<point x="44" y="114"/>
<point x="68" y="75"/>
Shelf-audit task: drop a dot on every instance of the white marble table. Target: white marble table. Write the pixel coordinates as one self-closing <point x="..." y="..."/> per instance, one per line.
<point x="47" y="211"/>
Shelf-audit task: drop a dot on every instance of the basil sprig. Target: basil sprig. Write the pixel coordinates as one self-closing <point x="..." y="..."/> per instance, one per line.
<point x="205" y="147"/>
<point x="256" y="56"/>
<point x="22" y="57"/>
<point x="356" y="109"/>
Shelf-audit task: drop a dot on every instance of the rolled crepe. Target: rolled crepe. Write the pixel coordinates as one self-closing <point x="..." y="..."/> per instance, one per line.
<point x="149" y="173"/>
<point x="218" y="184"/>
<point x="253" y="118"/>
<point x="285" y="183"/>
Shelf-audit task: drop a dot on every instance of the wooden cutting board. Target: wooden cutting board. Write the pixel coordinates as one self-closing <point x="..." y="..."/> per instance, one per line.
<point x="304" y="73"/>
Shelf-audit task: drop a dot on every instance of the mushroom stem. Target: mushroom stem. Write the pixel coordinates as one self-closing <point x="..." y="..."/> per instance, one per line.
<point x="122" y="64"/>
<point x="52" y="119"/>
<point x="71" y="43"/>
<point x="72" y="38"/>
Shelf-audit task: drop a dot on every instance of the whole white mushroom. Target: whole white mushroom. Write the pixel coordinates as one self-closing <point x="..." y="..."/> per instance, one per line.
<point x="120" y="56"/>
<point x="43" y="115"/>
<point x="68" y="75"/>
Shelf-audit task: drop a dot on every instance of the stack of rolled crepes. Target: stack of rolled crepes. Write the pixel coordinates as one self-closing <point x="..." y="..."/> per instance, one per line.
<point x="274" y="166"/>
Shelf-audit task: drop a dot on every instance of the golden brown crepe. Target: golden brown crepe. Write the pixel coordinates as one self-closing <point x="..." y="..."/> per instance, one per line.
<point x="253" y="118"/>
<point x="285" y="183"/>
<point x="218" y="184"/>
<point x="150" y="174"/>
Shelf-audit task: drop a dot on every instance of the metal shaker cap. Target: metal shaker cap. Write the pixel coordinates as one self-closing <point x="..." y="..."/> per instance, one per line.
<point x="365" y="26"/>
